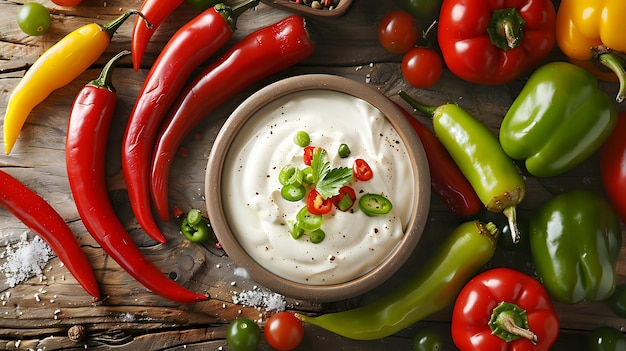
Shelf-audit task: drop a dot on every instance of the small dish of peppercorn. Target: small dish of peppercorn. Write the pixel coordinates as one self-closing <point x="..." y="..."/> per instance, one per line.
<point x="320" y="9"/>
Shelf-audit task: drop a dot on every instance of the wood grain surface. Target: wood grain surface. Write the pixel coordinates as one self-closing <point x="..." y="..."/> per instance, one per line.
<point x="37" y="313"/>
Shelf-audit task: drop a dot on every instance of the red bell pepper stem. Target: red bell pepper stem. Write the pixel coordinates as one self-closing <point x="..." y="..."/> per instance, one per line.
<point x="86" y="145"/>
<point x="191" y="45"/>
<point x="155" y="11"/>
<point x="260" y="54"/>
<point x="447" y="180"/>
<point x="39" y="216"/>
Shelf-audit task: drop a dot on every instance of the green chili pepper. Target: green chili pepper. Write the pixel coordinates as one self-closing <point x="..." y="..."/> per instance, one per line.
<point x="477" y="152"/>
<point x="308" y="221"/>
<point x="575" y="239"/>
<point x="558" y="120"/>
<point x="195" y="228"/>
<point x="464" y="252"/>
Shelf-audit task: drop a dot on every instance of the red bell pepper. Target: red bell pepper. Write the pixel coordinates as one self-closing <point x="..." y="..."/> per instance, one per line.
<point x="155" y="11"/>
<point x="447" y="180"/>
<point x="39" y="216"/>
<point x="613" y="167"/>
<point x="494" y="41"/>
<point x="504" y="309"/>
<point x="190" y="46"/>
<point x="260" y="54"/>
<point x="86" y="145"/>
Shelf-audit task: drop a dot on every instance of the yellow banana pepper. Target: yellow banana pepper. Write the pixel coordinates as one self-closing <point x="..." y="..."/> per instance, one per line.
<point x="591" y="35"/>
<point x="55" y="68"/>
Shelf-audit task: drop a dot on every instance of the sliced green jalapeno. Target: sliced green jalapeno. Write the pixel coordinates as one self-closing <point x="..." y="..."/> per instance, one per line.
<point x="308" y="221"/>
<point x="293" y="192"/>
<point x="374" y="204"/>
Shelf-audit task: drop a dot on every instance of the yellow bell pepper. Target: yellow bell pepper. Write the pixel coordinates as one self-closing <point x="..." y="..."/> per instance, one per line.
<point x="55" y="68"/>
<point x="591" y="34"/>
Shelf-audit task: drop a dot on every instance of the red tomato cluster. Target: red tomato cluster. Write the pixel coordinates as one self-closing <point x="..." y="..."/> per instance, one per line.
<point x="399" y="33"/>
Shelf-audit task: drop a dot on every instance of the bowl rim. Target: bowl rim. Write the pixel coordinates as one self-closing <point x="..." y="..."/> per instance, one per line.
<point x="421" y="198"/>
<point x="307" y="11"/>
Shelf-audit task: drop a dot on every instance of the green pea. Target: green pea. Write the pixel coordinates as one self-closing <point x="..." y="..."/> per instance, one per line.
<point x="317" y="236"/>
<point x="302" y="138"/>
<point x="344" y="151"/>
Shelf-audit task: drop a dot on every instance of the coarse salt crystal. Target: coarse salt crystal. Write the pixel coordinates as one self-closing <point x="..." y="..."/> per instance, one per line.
<point x="25" y="259"/>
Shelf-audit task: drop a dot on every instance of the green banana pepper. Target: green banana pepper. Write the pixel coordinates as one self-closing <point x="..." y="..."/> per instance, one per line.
<point x="575" y="239"/>
<point x="475" y="149"/>
<point x="435" y="286"/>
<point x="558" y="120"/>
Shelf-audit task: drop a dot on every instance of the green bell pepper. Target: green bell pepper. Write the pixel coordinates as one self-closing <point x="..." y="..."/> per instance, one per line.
<point x="575" y="239"/>
<point x="558" y="120"/>
<point x="424" y="11"/>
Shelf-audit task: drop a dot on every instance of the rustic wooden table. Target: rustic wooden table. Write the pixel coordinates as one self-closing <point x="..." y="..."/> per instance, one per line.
<point x="37" y="313"/>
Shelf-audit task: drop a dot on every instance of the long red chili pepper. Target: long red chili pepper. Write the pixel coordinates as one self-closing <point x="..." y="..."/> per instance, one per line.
<point x="191" y="45"/>
<point x="38" y="215"/>
<point x="155" y="11"/>
<point x="447" y="181"/>
<point x="260" y="54"/>
<point x="86" y="145"/>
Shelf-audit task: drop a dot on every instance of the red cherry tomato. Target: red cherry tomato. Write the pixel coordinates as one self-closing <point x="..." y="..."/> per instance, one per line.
<point x="398" y="32"/>
<point x="341" y="202"/>
<point x="362" y="170"/>
<point x="283" y="331"/>
<point x="316" y="204"/>
<point x="422" y="67"/>
<point x="68" y="3"/>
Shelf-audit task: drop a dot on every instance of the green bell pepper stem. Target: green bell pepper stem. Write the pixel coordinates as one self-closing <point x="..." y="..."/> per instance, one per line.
<point x="575" y="240"/>
<point x="616" y="64"/>
<point x="477" y="152"/>
<point x="506" y="28"/>
<point x="510" y="322"/>
<point x="464" y="252"/>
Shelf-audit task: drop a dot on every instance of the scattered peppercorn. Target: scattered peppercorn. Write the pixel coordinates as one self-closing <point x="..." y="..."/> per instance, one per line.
<point x="76" y="333"/>
<point x="319" y="4"/>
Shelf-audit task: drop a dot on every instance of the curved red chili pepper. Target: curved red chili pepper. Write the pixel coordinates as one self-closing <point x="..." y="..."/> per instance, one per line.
<point x="260" y="54"/>
<point x="86" y="145"/>
<point x="155" y="11"/>
<point x="447" y="181"/>
<point x="613" y="166"/>
<point x="39" y="216"/>
<point x="191" y="45"/>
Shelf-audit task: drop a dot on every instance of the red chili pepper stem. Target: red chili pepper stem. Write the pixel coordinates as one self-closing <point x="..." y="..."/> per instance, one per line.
<point x="237" y="10"/>
<point x="613" y="61"/>
<point x="510" y="322"/>
<point x="104" y="80"/>
<point x="114" y="25"/>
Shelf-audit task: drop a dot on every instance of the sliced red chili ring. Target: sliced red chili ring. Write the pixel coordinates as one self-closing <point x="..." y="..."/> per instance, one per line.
<point x="362" y="170"/>
<point x="318" y="205"/>
<point x="345" y="199"/>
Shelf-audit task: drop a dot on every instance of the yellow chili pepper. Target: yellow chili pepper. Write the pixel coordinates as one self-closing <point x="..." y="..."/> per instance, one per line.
<point x="55" y="68"/>
<point x="591" y="35"/>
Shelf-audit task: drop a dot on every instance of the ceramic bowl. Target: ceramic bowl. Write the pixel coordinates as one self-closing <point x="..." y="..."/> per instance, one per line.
<point x="308" y="11"/>
<point x="227" y="222"/>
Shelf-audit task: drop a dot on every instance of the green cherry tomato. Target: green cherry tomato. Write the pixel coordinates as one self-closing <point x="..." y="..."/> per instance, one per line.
<point x="243" y="335"/>
<point x="427" y="339"/>
<point x="202" y="5"/>
<point x="607" y="338"/>
<point x="33" y="18"/>
<point x="617" y="301"/>
<point x="283" y="331"/>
